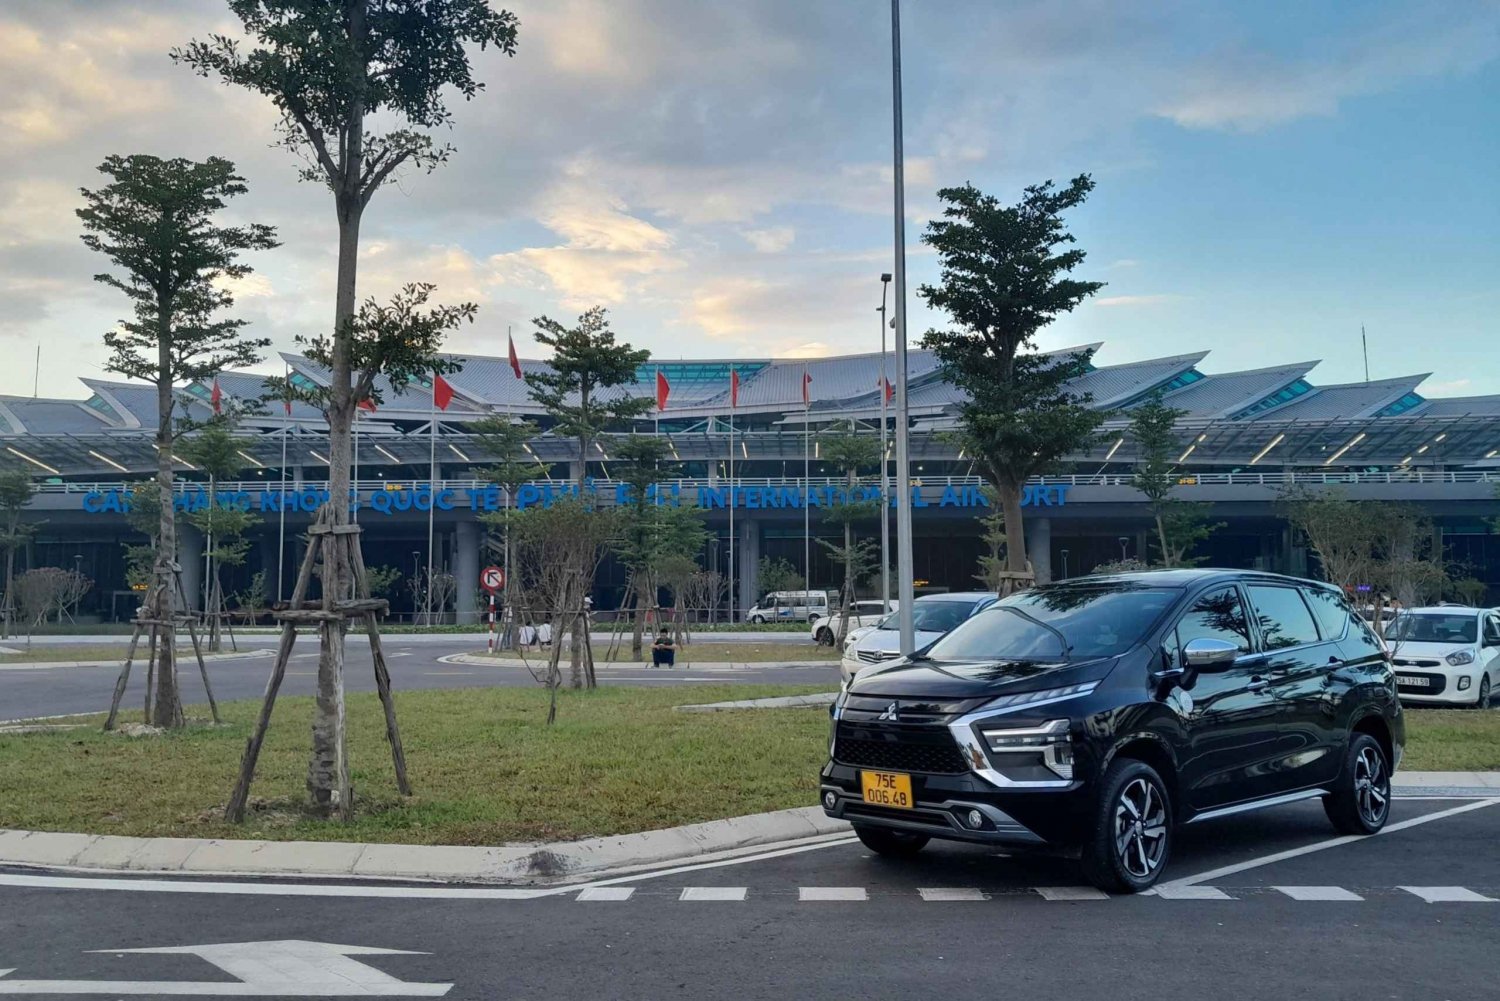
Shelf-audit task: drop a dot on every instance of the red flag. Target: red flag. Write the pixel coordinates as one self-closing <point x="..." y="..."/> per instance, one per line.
<point x="806" y="392"/>
<point x="442" y="392"/>
<point x="890" y="390"/>
<point x="288" y="406"/>
<point x="663" y="390"/>
<point x="216" y="397"/>
<point x="515" y="361"/>
<point x="366" y="404"/>
<point x="734" y="388"/>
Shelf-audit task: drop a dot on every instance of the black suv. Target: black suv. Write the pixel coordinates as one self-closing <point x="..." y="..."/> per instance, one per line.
<point x="1094" y="716"/>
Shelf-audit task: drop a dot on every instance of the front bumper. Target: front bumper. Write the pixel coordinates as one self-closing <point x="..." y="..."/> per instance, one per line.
<point x="1442" y="685"/>
<point x="1049" y="818"/>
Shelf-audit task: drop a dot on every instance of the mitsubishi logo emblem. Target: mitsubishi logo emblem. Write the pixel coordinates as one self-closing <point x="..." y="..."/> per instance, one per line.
<point x="892" y="713"/>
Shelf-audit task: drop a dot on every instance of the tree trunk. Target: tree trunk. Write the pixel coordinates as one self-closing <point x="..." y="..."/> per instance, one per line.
<point x="1015" y="537"/>
<point x="1168" y="558"/>
<point x="10" y="580"/>
<point x="338" y="574"/>
<point x="637" y="632"/>
<point x="166" y="709"/>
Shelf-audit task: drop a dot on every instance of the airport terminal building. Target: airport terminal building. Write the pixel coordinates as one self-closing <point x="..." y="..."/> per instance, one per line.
<point x="1246" y="437"/>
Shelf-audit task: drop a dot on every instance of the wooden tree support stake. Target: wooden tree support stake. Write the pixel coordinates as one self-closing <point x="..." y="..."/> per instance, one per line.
<point x="167" y="577"/>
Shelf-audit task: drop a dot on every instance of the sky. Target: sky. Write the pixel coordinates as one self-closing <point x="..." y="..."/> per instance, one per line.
<point x="1270" y="176"/>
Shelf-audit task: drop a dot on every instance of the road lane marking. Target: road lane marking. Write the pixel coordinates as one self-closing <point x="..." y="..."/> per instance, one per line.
<point x="951" y="894"/>
<point x="606" y="893"/>
<point x="721" y="894"/>
<point x="1318" y="893"/>
<point x="831" y="893"/>
<point x="1071" y="893"/>
<point x="1230" y="870"/>
<point x="447" y="674"/>
<point x="1169" y="891"/>
<point x="1448" y="895"/>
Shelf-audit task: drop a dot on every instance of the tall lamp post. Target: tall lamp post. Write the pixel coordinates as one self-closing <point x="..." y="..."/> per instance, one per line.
<point x="904" y="567"/>
<point x="885" y="465"/>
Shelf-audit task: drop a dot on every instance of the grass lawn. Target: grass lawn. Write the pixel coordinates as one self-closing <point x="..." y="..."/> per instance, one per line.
<point x="1452" y="740"/>
<point x="701" y="653"/>
<point x="79" y="653"/>
<point x="485" y="768"/>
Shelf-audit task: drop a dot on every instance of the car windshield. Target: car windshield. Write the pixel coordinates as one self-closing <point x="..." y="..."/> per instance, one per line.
<point x="1433" y="627"/>
<point x="1069" y="622"/>
<point x="931" y="616"/>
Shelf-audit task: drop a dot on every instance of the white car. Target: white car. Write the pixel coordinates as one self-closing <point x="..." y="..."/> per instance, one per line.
<point x="932" y="615"/>
<point x="866" y="613"/>
<point x="1448" y="655"/>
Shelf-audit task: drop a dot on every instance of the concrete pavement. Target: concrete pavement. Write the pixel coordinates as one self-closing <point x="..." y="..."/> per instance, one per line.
<point x="1296" y="913"/>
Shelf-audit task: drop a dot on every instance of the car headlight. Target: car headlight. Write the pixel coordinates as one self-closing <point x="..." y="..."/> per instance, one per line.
<point x="1045" y="695"/>
<point x="1458" y="658"/>
<point x="1021" y="752"/>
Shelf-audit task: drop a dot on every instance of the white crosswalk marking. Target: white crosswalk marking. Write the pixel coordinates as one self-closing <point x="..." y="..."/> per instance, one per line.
<point x="703" y="893"/>
<point x="1071" y="893"/>
<point x="606" y="893"/>
<point x="1449" y="895"/>
<point x="832" y="893"/>
<point x="1318" y="893"/>
<point x="1176" y="891"/>
<point x="944" y="894"/>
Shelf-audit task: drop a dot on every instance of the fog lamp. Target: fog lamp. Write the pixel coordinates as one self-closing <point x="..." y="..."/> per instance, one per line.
<point x="976" y="819"/>
<point x="1463" y="683"/>
<point x="830" y="800"/>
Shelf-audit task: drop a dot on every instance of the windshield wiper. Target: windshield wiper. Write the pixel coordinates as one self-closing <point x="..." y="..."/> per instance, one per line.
<point x="1067" y="648"/>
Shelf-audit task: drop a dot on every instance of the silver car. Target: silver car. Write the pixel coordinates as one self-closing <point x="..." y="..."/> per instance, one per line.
<point x="932" y="615"/>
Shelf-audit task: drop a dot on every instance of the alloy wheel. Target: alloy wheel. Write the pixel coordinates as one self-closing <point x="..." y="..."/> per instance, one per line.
<point x="1372" y="786"/>
<point x="1484" y="693"/>
<point x="1141" y="828"/>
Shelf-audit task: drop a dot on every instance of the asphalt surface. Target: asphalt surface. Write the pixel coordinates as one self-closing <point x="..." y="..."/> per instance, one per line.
<point x="957" y="922"/>
<point x="414" y="664"/>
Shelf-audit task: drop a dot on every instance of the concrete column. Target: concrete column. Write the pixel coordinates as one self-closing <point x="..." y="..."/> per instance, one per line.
<point x="747" y="555"/>
<point x="190" y="556"/>
<point x="296" y="477"/>
<point x="1039" y="547"/>
<point x="466" y="570"/>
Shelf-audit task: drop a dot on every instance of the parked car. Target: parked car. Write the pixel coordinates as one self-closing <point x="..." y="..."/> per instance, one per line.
<point x="866" y="613"/>
<point x="1099" y="715"/>
<point x="932" y="615"/>
<point x="789" y="606"/>
<point x="1447" y="655"/>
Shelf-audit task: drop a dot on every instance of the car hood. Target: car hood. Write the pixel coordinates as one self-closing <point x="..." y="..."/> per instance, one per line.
<point x="885" y="640"/>
<point x="1408" y="650"/>
<point x="974" y="678"/>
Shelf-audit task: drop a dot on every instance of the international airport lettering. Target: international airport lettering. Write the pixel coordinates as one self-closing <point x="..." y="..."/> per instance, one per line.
<point x="421" y="497"/>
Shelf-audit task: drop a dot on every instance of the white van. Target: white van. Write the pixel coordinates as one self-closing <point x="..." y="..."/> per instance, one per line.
<point x="789" y="606"/>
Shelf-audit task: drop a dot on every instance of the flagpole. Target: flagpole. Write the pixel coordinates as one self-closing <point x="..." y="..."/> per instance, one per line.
<point x="432" y="490"/>
<point x="286" y="426"/>
<point x="885" y="470"/>
<point x="806" y="483"/>
<point x="733" y="610"/>
<point x="904" y="567"/>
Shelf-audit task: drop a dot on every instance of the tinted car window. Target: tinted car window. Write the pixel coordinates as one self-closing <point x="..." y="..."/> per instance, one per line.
<point x="1282" y="616"/>
<point x="1216" y="615"/>
<point x="1332" y="612"/>
<point x="933" y="616"/>
<point x="1492" y="631"/>
<point x="1094" y="621"/>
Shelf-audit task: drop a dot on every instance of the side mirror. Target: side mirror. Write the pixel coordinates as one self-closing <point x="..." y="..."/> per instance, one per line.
<point x="1209" y="656"/>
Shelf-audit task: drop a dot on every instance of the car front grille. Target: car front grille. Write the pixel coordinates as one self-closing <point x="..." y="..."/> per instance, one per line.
<point x="876" y="656"/>
<point x="938" y="756"/>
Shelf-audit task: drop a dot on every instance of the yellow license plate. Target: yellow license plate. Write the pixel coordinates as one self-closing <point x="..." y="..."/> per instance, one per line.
<point x="887" y="789"/>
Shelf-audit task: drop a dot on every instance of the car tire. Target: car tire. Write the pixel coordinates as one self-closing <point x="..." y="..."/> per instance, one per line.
<point x="758" y="620"/>
<point x="1130" y="841"/>
<point x="825" y="636"/>
<point x="1361" y="803"/>
<point x="1482" y="700"/>
<point x="891" y="844"/>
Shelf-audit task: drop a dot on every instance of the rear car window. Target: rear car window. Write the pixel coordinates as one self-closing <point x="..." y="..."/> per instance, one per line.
<point x="1282" y="616"/>
<point x="1332" y="612"/>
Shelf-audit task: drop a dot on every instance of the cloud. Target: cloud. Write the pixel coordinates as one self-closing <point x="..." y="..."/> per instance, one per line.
<point x="1248" y="89"/>
<point x="1453" y="387"/>
<point x="1132" y="301"/>
<point x="771" y="241"/>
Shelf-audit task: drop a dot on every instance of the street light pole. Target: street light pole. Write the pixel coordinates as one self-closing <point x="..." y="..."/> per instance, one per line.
<point x="904" y="569"/>
<point x="885" y="465"/>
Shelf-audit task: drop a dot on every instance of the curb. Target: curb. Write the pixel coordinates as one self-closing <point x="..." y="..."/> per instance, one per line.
<point x="506" y="864"/>
<point x="484" y="660"/>
<point x="784" y="702"/>
<point x="208" y="658"/>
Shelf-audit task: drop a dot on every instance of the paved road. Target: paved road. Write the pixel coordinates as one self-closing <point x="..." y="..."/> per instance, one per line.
<point x="1412" y="914"/>
<point x="414" y="663"/>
